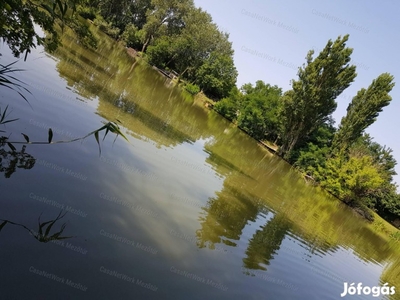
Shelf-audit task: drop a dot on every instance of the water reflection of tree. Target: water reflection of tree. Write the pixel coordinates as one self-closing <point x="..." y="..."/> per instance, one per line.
<point x="125" y="90"/>
<point x="139" y="92"/>
<point x="12" y="159"/>
<point x="266" y="242"/>
<point x="225" y="217"/>
<point x="391" y="274"/>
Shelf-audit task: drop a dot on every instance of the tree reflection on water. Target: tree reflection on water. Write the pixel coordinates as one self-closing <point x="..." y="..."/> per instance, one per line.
<point x="12" y="159"/>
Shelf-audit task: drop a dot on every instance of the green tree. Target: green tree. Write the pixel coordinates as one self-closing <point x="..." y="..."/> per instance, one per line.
<point x="131" y="36"/>
<point x="259" y="113"/>
<point x="229" y="107"/>
<point x="138" y="10"/>
<point x="196" y="41"/>
<point x="197" y="50"/>
<point x="384" y="198"/>
<point x="164" y="16"/>
<point x="312" y="157"/>
<point x="311" y="101"/>
<point x="159" y="53"/>
<point x="119" y="13"/>
<point x="16" y="24"/>
<point x="363" y="111"/>
<point x="352" y="179"/>
<point x="217" y="76"/>
<point x="381" y="155"/>
<point x="255" y="108"/>
<point x="17" y="19"/>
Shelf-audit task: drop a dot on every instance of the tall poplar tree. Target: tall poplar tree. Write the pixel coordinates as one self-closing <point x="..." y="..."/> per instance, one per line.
<point x="363" y="111"/>
<point x="311" y="101"/>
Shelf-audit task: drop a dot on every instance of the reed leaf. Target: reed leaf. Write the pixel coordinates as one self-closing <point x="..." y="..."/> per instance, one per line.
<point x="9" y="81"/>
<point x="3" y="224"/>
<point x="26" y="137"/>
<point x="50" y="137"/>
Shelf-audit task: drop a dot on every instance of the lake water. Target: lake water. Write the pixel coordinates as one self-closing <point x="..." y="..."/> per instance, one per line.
<point x="190" y="208"/>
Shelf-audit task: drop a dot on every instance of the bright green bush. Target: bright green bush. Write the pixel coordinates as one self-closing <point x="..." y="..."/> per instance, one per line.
<point x="192" y="88"/>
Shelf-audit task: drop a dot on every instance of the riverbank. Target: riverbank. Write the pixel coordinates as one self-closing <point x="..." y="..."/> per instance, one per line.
<point x="377" y="222"/>
<point x="387" y="229"/>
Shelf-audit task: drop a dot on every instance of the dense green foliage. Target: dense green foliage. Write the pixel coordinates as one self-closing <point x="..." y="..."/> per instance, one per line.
<point x="254" y="108"/>
<point x="311" y="101"/>
<point x="174" y="35"/>
<point x="17" y="18"/>
<point x="362" y="176"/>
<point x="16" y="24"/>
<point x="344" y="161"/>
<point x="192" y="88"/>
<point x="177" y="36"/>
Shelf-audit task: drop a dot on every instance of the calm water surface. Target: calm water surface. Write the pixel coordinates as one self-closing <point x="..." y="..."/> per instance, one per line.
<point x="190" y="208"/>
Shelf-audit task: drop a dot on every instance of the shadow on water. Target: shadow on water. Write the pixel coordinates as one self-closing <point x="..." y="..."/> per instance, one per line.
<point x="44" y="233"/>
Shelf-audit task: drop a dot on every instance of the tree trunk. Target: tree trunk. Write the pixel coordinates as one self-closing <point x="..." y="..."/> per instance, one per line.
<point x="180" y="75"/>
<point x="173" y="57"/>
<point x="288" y="145"/>
<point x="146" y="43"/>
<point x="293" y="143"/>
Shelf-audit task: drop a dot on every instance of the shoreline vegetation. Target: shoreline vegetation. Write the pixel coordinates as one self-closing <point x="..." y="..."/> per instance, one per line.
<point x="182" y="42"/>
<point x="324" y="155"/>
<point x="379" y="225"/>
